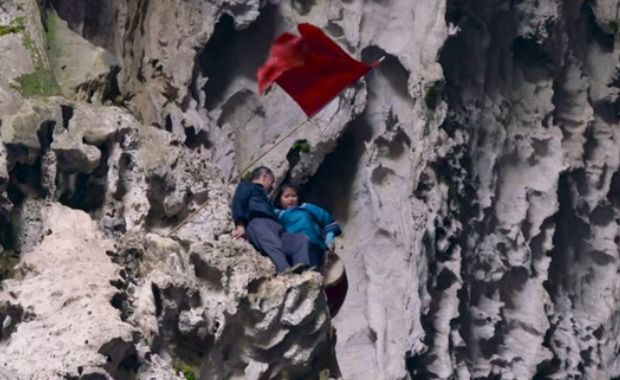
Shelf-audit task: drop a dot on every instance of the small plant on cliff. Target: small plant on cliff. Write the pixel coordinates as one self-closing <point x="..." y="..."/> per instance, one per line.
<point x="41" y="81"/>
<point x="301" y="146"/>
<point x="247" y="176"/>
<point x="187" y="370"/>
<point x="17" y="25"/>
<point x="8" y="261"/>
<point x="294" y="154"/>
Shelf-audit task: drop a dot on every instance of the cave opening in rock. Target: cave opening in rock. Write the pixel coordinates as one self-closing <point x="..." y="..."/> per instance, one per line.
<point x="111" y="91"/>
<point x="195" y="139"/>
<point x="122" y="358"/>
<point x="596" y="33"/>
<point x="9" y="256"/>
<point x="231" y="57"/>
<point x="332" y="185"/>
<point x="119" y="302"/>
<point x="67" y="114"/>
<point x="156" y="194"/>
<point x="188" y="347"/>
<point x="46" y="134"/>
<point x="569" y="234"/>
<point x="86" y="191"/>
<point x="24" y="180"/>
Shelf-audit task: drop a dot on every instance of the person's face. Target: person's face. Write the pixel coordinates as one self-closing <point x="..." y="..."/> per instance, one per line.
<point x="289" y="198"/>
<point x="267" y="182"/>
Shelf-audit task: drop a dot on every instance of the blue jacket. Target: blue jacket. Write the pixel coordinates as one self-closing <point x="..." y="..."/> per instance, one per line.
<point x="311" y="220"/>
<point x="250" y="201"/>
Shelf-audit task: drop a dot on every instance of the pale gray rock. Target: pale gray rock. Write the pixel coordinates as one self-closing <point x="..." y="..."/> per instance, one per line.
<point x="24" y="127"/>
<point x="474" y="173"/>
<point x="76" y="142"/>
<point x="69" y="314"/>
<point x="75" y="62"/>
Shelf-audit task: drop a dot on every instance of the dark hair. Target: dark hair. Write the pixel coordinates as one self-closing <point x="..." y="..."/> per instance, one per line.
<point x="284" y="186"/>
<point x="261" y="171"/>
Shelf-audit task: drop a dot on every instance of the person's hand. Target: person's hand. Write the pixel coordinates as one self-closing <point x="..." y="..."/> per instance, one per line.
<point x="330" y="242"/>
<point x="331" y="247"/>
<point x="239" y="232"/>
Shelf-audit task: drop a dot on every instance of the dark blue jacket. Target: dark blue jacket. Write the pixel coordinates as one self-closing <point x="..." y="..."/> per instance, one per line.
<point x="250" y="201"/>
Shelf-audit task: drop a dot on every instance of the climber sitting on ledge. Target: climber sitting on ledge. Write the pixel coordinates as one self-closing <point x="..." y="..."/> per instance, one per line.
<point x="255" y="219"/>
<point x="308" y="219"/>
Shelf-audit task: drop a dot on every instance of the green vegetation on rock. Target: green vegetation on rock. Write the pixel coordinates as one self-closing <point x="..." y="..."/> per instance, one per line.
<point x="301" y="146"/>
<point x="247" y="176"/>
<point x="187" y="370"/>
<point x="41" y="81"/>
<point x="28" y="42"/>
<point x="37" y="83"/>
<point x="8" y="261"/>
<point x="17" y="25"/>
<point x="294" y="154"/>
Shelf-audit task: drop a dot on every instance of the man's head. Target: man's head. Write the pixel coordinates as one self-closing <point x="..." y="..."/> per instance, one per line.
<point x="263" y="176"/>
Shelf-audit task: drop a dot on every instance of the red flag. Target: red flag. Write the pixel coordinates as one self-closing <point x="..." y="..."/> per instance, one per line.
<point x="311" y="68"/>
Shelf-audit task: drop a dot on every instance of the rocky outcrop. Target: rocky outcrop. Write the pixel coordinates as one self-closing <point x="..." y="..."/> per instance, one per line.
<point x="474" y="173"/>
<point x="90" y="195"/>
<point x="65" y="305"/>
<point x="533" y="166"/>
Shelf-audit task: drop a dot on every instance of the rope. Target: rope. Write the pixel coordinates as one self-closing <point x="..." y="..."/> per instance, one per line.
<point x="239" y="174"/>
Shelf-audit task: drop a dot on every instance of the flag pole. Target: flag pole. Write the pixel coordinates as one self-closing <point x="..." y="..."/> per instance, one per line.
<point x="239" y="174"/>
<point x="278" y="142"/>
<point x="254" y="161"/>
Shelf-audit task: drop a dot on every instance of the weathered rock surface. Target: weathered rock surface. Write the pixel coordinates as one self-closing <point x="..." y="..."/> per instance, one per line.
<point x="101" y="296"/>
<point x="66" y="324"/>
<point x="474" y="173"/>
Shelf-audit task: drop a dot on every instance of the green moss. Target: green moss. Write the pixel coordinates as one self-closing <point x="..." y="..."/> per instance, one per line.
<point x="40" y="82"/>
<point x="28" y="42"/>
<point x="52" y="26"/>
<point x="301" y="146"/>
<point x="8" y="261"/>
<point x="294" y="154"/>
<point x="31" y="46"/>
<point x="247" y="176"/>
<point x="17" y="25"/>
<point x="187" y="370"/>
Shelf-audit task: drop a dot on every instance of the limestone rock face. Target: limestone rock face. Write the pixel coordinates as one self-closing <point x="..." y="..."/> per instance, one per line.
<point x="66" y="323"/>
<point x="536" y="218"/>
<point x="474" y="172"/>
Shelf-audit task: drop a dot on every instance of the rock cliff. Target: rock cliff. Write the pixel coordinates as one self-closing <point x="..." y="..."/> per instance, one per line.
<point x="474" y="172"/>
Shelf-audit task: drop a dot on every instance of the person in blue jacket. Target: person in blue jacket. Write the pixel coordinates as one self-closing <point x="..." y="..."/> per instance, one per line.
<point x="307" y="219"/>
<point x="256" y="220"/>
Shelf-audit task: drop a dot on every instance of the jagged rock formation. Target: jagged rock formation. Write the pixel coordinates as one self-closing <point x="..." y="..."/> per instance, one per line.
<point x="534" y="106"/>
<point x="89" y="193"/>
<point x="63" y="305"/>
<point x="474" y="173"/>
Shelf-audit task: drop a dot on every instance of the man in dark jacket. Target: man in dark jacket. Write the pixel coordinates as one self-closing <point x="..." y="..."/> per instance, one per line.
<point x="255" y="219"/>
